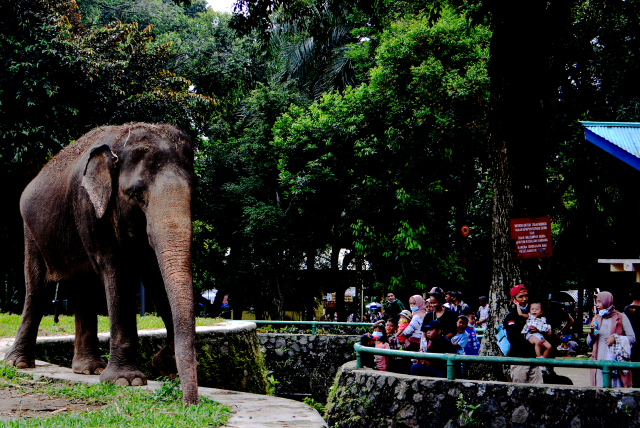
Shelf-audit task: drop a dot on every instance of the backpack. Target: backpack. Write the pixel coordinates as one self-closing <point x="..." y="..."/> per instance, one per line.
<point x="502" y="339"/>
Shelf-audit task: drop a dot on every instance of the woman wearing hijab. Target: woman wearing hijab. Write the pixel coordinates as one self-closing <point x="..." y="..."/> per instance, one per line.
<point x="413" y="331"/>
<point x="611" y="333"/>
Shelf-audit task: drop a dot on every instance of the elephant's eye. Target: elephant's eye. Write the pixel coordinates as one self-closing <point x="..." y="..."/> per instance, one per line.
<point x="137" y="196"/>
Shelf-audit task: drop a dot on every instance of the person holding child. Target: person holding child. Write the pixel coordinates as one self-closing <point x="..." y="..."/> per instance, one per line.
<point x="536" y="325"/>
<point x="520" y="347"/>
<point x="413" y="332"/>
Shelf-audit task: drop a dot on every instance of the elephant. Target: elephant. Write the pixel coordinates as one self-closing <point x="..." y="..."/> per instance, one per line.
<point x="109" y="210"/>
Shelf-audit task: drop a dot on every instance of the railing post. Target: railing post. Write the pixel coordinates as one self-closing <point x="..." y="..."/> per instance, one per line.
<point x="358" y="362"/>
<point x="313" y="329"/>
<point x="606" y="376"/>
<point x="451" y="369"/>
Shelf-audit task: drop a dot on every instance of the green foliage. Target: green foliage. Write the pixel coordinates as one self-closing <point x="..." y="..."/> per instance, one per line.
<point x="386" y="153"/>
<point x="313" y="403"/>
<point x="466" y="410"/>
<point x="61" y="79"/>
<point x="248" y="235"/>
<point x="10" y="372"/>
<point x="272" y="383"/>
<point x="169" y="391"/>
<point x="163" y="16"/>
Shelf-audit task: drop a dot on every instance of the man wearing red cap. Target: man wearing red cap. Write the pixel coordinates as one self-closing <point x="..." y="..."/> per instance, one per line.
<point x="520" y="347"/>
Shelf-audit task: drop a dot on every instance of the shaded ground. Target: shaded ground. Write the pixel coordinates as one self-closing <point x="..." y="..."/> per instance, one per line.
<point x="19" y="404"/>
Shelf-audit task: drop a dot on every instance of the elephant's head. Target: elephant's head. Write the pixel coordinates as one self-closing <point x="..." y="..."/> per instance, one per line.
<point x="151" y="168"/>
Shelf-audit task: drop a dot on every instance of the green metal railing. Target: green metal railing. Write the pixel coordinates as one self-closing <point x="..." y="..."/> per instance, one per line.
<point x="314" y="324"/>
<point x="607" y="367"/>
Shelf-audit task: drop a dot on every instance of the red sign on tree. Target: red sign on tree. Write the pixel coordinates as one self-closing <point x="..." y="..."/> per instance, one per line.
<point x="531" y="237"/>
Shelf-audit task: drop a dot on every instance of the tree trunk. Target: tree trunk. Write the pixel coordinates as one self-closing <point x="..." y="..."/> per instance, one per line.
<point x="518" y="155"/>
<point x="337" y="282"/>
<point x="310" y="278"/>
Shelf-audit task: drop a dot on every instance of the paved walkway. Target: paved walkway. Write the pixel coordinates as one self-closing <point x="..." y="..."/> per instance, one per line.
<point x="249" y="410"/>
<point x="579" y="377"/>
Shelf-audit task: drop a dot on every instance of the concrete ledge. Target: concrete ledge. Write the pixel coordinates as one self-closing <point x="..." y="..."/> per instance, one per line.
<point x="249" y="410"/>
<point x="228" y="354"/>
<point x="221" y="328"/>
<point x="370" y="398"/>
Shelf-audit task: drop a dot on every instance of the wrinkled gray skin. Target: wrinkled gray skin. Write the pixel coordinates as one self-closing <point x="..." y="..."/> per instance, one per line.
<point x="109" y="210"/>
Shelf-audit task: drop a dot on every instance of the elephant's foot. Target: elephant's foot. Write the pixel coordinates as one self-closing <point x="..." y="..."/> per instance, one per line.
<point x="123" y="375"/>
<point x="165" y="362"/>
<point x="88" y="365"/>
<point x="20" y="360"/>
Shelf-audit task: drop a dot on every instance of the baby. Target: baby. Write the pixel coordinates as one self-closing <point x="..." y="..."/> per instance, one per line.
<point x="405" y="319"/>
<point x="537" y="321"/>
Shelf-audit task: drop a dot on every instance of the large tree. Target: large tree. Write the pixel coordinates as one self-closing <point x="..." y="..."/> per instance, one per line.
<point x="392" y="165"/>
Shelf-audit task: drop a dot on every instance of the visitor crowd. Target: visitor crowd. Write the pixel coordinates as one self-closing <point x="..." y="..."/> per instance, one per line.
<point x="444" y="323"/>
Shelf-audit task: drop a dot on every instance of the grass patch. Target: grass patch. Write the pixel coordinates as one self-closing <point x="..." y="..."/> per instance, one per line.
<point x="119" y="406"/>
<point x="9" y="324"/>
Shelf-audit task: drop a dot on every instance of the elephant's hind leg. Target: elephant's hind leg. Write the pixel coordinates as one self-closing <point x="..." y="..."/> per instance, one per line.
<point x="22" y="354"/>
<point x="86" y="350"/>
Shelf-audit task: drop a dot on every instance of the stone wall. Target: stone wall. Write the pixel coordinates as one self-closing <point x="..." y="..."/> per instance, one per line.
<point x="368" y="398"/>
<point x="228" y="355"/>
<point x="305" y="364"/>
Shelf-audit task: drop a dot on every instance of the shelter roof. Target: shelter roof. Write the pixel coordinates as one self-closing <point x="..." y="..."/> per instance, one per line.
<point x="621" y="139"/>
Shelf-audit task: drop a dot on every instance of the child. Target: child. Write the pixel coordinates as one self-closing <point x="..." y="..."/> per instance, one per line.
<point x="536" y="320"/>
<point x="473" y="345"/>
<point x="573" y="348"/>
<point x="380" y="336"/>
<point x="405" y="319"/>
<point x="460" y="340"/>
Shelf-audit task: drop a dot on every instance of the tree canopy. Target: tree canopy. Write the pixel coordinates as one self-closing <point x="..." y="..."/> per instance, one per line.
<point x="345" y="144"/>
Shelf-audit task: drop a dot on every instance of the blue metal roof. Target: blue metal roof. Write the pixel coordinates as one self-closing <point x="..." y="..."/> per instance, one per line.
<point x="621" y="139"/>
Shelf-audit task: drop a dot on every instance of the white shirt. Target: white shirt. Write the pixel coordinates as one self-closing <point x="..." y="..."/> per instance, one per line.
<point x="484" y="313"/>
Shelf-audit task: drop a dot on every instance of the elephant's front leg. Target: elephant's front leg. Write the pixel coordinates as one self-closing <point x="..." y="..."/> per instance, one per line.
<point x="86" y="352"/>
<point x="122" y="368"/>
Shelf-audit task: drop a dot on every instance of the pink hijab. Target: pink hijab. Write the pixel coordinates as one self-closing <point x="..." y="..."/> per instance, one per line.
<point x="422" y="306"/>
<point x="607" y="302"/>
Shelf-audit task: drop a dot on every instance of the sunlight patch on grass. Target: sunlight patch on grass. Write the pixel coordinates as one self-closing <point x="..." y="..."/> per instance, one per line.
<point x="121" y="406"/>
<point x="9" y="324"/>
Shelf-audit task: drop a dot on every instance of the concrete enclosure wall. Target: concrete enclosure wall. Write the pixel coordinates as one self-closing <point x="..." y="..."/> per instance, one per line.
<point x="368" y="398"/>
<point x="228" y="355"/>
<point x="232" y="356"/>
<point x="305" y="364"/>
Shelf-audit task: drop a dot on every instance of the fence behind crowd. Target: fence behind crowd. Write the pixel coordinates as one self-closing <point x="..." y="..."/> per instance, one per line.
<point x="606" y="366"/>
<point x="314" y="324"/>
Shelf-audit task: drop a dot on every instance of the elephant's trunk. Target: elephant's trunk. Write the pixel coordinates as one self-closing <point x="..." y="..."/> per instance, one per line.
<point x="170" y="232"/>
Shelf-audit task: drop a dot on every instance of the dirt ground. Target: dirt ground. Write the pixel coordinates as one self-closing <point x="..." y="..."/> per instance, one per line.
<point x="20" y="404"/>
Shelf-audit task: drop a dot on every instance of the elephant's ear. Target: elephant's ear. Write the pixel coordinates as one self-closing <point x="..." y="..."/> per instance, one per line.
<point x="96" y="177"/>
